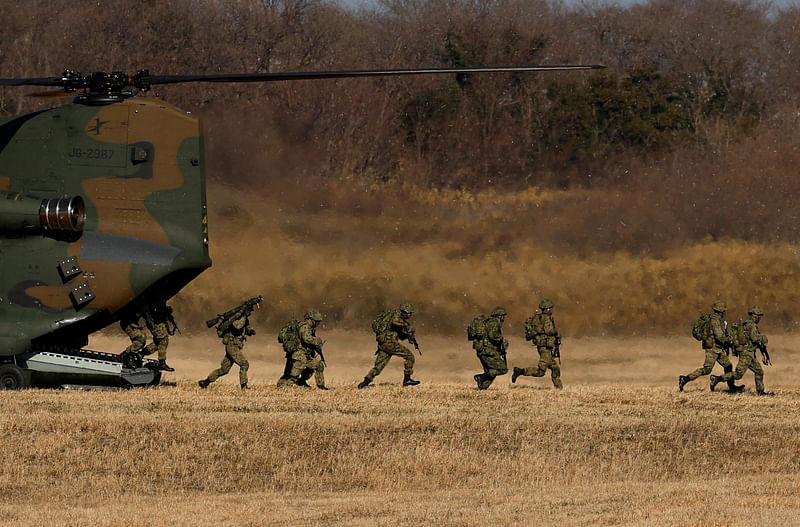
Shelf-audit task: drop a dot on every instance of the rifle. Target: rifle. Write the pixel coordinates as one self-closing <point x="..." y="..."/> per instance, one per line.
<point x="413" y="340"/>
<point x="765" y="355"/>
<point x="244" y="309"/>
<point x="557" y="350"/>
<point x="175" y="327"/>
<point x="321" y="356"/>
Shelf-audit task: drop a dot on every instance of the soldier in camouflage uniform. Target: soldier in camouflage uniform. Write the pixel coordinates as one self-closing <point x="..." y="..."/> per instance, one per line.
<point x="753" y="339"/>
<point x="132" y="327"/>
<point x="161" y="325"/>
<point x="307" y="359"/>
<point x="715" y="347"/>
<point x="491" y="349"/>
<point x="545" y="337"/>
<point x="398" y="328"/>
<point x="233" y="337"/>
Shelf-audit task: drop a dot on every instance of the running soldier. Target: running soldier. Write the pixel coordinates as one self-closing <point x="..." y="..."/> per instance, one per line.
<point x="491" y="347"/>
<point x="233" y="332"/>
<point x="303" y="358"/>
<point x="716" y="341"/>
<point x="132" y="326"/>
<point x="541" y="329"/>
<point x="162" y="325"/>
<point x="390" y="328"/>
<point x="749" y="339"/>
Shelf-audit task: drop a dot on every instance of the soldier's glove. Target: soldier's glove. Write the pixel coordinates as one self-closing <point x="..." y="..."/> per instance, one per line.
<point x="250" y="332"/>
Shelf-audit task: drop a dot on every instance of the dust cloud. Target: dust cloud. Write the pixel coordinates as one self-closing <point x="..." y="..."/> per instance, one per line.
<point x="456" y="254"/>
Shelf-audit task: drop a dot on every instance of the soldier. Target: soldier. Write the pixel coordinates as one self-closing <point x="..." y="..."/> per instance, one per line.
<point x="752" y="338"/>
<point x="131" y="325"/>
<point x="307" y="359"/>
<point x="716" y="344"/>
<point x="491" y="349"/>
<point x="390" y="327"/>
<point x="162" y="325"/>
<point x="233" y="333"/>
<point x="541" y="330"/>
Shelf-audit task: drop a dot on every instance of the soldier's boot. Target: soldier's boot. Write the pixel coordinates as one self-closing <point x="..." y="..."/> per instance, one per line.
<point x="322" y="387"/>
<point x="767" y="394"/>
<point x="479" y="379"/>
<point x="204" y="383"/>
<point x="715" y="379"/>
<point x="244" y="386"/>
<point x="163" y="366"/>
<point x="735" y="388"/>
<point x="303" y="383"/>
<point x="408" y="381"/>
<point x="363" y="384"/>
<point x="682" y="380"/>
<point x="516" y="374"/>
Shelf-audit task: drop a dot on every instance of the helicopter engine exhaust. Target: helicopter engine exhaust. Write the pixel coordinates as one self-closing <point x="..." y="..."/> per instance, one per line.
<point x="29" y="215"/>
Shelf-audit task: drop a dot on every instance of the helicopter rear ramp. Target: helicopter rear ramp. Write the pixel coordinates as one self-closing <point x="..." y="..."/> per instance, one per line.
<point x="55" y="368"/>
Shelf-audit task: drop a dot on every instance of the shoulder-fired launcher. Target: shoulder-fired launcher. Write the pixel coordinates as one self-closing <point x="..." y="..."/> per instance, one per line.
<point x="245" y="308"/>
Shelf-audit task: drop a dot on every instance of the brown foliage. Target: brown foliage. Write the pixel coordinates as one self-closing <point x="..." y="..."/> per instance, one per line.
<point x="358" y="172"/>
<point x="615" y="445"/>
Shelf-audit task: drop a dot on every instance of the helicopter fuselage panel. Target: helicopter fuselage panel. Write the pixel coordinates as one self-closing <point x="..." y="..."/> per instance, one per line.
<point x="138" y="168"/>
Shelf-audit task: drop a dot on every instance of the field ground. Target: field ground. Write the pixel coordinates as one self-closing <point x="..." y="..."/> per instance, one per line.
<point x="618" y="446"/>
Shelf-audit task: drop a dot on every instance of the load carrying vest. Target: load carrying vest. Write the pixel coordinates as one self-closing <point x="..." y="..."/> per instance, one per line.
<point x="701" y="329"/>
<point x="534" y="326"/>
<point x="289" y="336"/>
<point x="477" y="328"/>
<point x="383" y="322"/>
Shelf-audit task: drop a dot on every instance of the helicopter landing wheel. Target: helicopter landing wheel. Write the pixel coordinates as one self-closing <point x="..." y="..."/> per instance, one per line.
<point x="13" y="377"/>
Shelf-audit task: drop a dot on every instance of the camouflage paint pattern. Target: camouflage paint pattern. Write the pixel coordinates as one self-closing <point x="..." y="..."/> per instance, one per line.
<point x="747" y="355"/>
<point x="135" y="332"/>
<point x="387" y="350"/>
<point x="546" y="362"/>
<point x="714" y="348"/>
<point x="305" y="362"/>
<point x="544" y="339"/>
<point x="160" y="341"/>
<point x="233" y="338"/>
<point x="139" y="166"/>
<point x="491" y="352"/>
<point x="400" y="328"/>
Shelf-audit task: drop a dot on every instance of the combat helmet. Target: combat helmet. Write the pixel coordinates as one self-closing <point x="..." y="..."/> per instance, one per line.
<point x="546" y="303"/>
<point x="499" y="312"/>
<point x="407" y="307"/>
<point x="755" y="310"/>
<point x="719" y="306"/>
<point x="314" y="315"/>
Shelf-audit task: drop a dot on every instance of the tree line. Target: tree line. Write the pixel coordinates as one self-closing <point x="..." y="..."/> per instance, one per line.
<point x="686" y="79"/>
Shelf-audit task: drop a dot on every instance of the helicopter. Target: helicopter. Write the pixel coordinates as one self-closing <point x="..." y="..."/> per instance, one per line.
<point x="103" y="214"/>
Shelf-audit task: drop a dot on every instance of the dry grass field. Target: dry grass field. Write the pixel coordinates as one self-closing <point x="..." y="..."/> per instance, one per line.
<point x="618" y="446"/>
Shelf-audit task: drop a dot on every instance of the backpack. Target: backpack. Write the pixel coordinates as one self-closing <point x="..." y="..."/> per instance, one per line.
<point x="701" y="329"/>
<point x="383" y="322"/>
<point x="738" y="334"/>
<point x="289" y="336"/>
<point x="533" y="327"/>
<point x="477" y="328"/>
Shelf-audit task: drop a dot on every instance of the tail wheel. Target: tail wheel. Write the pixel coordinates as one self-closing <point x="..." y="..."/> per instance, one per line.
<point x="12" y="377"/>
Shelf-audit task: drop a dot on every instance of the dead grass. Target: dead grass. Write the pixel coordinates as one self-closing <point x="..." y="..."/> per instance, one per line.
<point x="456" y="254"/>
<point x="619" y="445"/>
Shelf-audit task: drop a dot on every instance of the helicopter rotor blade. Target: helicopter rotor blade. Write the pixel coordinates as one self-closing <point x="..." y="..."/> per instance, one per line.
<point x="48" y="94"/>
<point x="309" y="75"/>
<point x="35" y="81"/>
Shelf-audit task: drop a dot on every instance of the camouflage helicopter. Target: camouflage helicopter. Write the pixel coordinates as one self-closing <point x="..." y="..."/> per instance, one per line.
<point x="103" y="215"/>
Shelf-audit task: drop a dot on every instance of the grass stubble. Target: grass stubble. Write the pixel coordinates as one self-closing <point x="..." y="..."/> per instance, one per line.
<point x="619" y="445"/>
